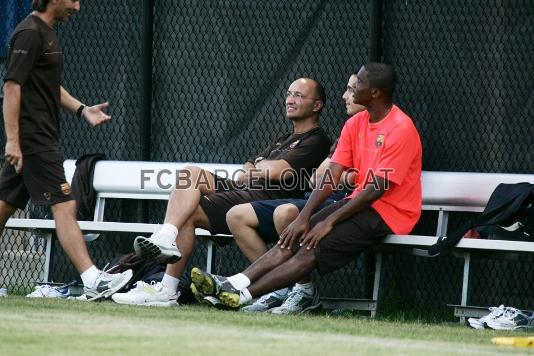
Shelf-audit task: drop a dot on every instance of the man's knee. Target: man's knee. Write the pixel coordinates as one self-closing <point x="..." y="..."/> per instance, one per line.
<point x="198" y="219"/>
<point x="6" y="208"/>
<point x="284" y="215"/>
<point x="306" y="258"/>
<point x="64" y="208"/>
<point x="242" y="214"/>
<point x="193" y="177"/>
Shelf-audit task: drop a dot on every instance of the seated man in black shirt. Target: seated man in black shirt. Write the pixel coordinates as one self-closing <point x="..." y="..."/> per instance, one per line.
<point x="207" y="198"/>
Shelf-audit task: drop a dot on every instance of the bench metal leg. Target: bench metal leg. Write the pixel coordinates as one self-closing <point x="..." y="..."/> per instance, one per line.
<point x="46" y="270"/>
<point x="443" y="222"/>
<point x="210" y="256"/>
<point x="98" y="216"/>
<point x="378" y="280"/>
<point x="99" y="209"/>
<point x="465" y="282"/>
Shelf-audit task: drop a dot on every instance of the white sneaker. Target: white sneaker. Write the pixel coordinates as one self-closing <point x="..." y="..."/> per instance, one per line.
<point x="297" y="302"/>
<point x="481" y="323"/>
<point x="512" y="319"/>
<point x="107" y="284"/>
<point x="47" y="291"/>
<point x="160" y="246"/>
<point x="154" y="294"/>
<point x="266" y="302"/>
<point x="82" y="298"/>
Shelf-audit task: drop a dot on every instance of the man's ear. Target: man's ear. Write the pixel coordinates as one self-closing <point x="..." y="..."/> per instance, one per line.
<point x="375" y="92"/>
<point x="318" y="105"/>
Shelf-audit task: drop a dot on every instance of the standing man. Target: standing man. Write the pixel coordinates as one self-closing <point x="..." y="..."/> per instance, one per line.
<point x="383" y="145"/>
<point x="33" y="95"/>
<point x="203" y="201"/>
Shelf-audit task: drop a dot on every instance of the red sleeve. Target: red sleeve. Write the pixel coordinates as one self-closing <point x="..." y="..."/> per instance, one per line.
<point x="343" y="154"/>
<point x="398" y="154"/>
<point x="24" y="51"/>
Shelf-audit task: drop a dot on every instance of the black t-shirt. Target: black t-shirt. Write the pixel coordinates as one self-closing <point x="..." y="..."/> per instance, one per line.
<point x="333" y="148"/>
<point x="303" y="151"/>
<point x="35" y="61"/>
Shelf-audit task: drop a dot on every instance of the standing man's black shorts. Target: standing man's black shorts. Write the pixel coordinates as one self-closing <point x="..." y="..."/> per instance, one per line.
<point x="42" y="178"/>
<point x="348" y="238"/>
<point x="229" y="194"/>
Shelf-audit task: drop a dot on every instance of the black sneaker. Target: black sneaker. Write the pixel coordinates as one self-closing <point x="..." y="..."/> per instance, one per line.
<point x="209" y="300"/>
<point x="210" y="284"/>
<point x="159" y="246"/>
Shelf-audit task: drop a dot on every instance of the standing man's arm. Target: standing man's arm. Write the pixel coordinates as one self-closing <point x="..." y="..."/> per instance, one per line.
<point x="11" y="110"/>
<point x="94" y="115"/>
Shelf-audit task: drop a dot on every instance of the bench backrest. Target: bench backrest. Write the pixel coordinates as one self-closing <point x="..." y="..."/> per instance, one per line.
<point x="450" y="191"/>
<point x="143" y="180"/>
<point x="463" y="191"/>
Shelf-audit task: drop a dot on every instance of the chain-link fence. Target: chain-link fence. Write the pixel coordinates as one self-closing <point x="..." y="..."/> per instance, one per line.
<point x="220" y="69"/>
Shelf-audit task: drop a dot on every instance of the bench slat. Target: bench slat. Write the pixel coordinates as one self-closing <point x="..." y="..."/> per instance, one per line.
<point x="92" y="226"/>
<point x="464" y="244"/>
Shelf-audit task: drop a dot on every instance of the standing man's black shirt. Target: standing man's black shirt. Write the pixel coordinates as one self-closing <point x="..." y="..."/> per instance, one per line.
<point x="35" y="61"/>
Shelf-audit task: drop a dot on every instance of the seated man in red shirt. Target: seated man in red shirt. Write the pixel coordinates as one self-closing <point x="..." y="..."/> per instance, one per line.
<point x="383" y="146"/>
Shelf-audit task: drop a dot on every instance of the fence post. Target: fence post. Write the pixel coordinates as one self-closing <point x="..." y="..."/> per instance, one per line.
<point x="145" y="113"/>
<point x="375" y="45"/>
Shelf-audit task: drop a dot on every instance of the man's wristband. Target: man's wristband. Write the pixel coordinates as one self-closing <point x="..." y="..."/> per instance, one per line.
<point x="80" y="110"/>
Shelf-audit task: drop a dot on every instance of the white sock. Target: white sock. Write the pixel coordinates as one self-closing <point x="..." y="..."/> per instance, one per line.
<point x="89" y="276"/>
<point x="244" y="296"/>
<point x="239" y="281"/>
<point x="307" y="288"/>
<point x="169" y="229"/>
<point x="170" y="282"/>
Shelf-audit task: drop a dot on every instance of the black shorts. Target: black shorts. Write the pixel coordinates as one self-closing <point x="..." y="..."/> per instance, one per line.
<point x="42" y="178"/>
<point x="264" y="210"/>
<point x="229" y="194"/>
<point x="348" y="238"/>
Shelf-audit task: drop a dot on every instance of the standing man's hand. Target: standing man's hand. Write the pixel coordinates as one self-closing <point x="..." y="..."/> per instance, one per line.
<point x="14" y="155"/>
<point x="95" y="114"/>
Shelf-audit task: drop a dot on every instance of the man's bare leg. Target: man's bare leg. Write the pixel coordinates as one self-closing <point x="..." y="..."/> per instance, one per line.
<point x="6" y="210"/>
<point x="184" y="201"/>
<point x="163" y="245"/>
<point x="96" y="284"/>
<point x="243" y="222"/>
<point x="186" y="239"/>
<point x="286" y="274"/>
<point x="283" y="216"/>
<point x="70" y="236"/>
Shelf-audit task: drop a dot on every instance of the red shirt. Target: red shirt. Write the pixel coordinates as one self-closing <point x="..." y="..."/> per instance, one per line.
<point x="390" y="149"/>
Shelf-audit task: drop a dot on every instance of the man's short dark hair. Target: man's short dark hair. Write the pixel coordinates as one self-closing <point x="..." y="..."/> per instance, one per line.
<point x="40" y="5"/>
<point x="321" y="93"/>
<point x="382" y="76"/>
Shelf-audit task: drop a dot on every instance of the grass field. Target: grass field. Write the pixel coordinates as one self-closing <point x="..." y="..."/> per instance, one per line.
<point x="56" y="327"/>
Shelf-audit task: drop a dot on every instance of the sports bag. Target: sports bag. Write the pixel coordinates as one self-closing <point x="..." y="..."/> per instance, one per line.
<point x="508" y="215"/>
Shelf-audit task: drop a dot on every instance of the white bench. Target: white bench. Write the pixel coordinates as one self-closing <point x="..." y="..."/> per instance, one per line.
<point x="444" y="192"/>
<point x="123" y="180"/>
<point x="447" y="192"/>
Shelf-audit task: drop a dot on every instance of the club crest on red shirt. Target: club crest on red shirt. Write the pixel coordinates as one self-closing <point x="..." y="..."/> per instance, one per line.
<point x="379" y="140"/>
